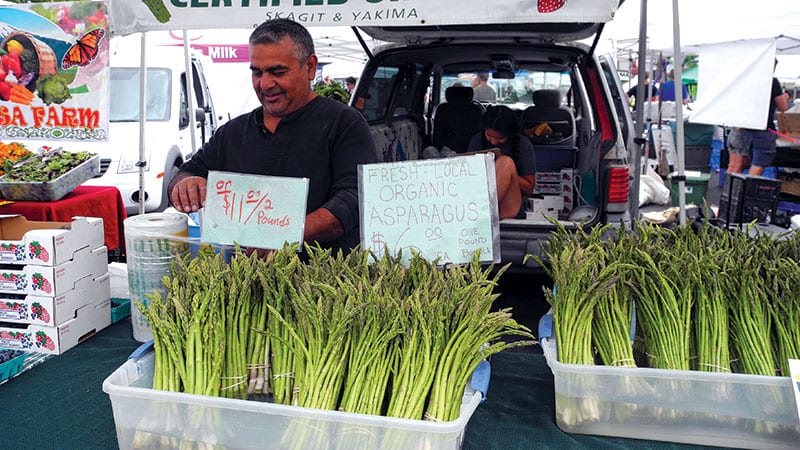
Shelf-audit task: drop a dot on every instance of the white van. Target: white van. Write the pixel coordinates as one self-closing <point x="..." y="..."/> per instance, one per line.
<point x="167" y="132"/>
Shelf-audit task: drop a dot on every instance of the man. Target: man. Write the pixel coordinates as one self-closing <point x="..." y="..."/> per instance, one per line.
<point x="295" y="133"/>
<point x="668" y="89"/>
<point x="482" y="92"/>
<point x="350" y="84"/>
<point x="760" y="144"/>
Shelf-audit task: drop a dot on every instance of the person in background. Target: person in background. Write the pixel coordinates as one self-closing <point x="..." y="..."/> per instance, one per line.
<point x="668" y="89"/>
<point x="515" y="165"/>
<point x="350" y="84"/>
<point x="482" y="92"/>
<point x="760" y="144"/>
<point x="647" y="91"/>
<point x="294" y="133"/>
<point x="737" y="153"/>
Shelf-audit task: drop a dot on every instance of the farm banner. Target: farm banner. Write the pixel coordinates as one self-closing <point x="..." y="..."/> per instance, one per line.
<point x="130" y="16"/>
<point x="54" y="76"/>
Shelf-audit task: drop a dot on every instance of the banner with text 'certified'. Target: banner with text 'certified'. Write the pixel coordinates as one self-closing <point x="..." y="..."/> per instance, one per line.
<point x="254" y="210"/>
<point x="130" y="16"/>
<point x="444" y="209"/>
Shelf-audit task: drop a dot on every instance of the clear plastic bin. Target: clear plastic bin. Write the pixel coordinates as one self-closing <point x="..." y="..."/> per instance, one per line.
<point x="146" y="418"/>
<point x="729" y="410"/>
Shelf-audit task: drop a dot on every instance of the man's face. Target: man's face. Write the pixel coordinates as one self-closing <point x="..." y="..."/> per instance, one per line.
<point x="281" y="82"/>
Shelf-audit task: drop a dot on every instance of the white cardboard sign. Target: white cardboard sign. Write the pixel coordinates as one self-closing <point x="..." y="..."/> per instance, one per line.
<point x="442" y="208"/>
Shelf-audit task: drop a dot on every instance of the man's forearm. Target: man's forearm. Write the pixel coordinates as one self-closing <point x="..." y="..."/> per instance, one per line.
<point x="322" y="226"/>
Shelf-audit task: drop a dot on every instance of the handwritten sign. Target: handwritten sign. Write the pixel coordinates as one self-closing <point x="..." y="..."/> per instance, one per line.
<point x="794" y="368"/>
<point x="254" y="210"/>
<point x="442" y="208"/>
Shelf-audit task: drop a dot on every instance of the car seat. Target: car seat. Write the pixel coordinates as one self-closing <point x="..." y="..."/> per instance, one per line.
<point x="551" y="128"/>
<point x="547" y="121"/>
<point x="456" y="120"/>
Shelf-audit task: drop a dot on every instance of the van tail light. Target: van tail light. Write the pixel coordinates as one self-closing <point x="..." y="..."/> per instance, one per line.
<point x="618" y="187"/>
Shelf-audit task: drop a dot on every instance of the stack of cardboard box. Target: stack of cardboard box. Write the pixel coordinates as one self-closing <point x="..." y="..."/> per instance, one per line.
<point x="54" y="283"/>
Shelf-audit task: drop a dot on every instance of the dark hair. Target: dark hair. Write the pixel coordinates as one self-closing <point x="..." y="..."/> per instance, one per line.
<point x="276" y="30"/>
<point x="350" y="80"/>
<point x="501" y="119"/>
<point x="504" y="120"/>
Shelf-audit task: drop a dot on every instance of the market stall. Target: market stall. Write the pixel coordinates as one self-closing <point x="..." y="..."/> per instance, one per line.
<point x="93" y="201"/>
<point x="61" y="404"/>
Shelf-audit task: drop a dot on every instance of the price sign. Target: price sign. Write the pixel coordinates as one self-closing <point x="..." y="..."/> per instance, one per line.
<point x="254" y="210"/>
<point x="442" y="208"/>
<point x="794" y="368"/>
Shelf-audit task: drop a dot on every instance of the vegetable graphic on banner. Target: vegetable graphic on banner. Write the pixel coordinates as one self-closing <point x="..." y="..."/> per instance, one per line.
<point x="158" y="9"/>
<point x="54" y="71"/>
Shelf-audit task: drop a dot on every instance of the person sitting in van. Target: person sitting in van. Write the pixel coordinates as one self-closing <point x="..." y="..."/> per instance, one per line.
<point x="515" y="165"/>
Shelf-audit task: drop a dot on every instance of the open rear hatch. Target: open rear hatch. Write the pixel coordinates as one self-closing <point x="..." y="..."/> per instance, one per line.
<point x="577" y="20"/>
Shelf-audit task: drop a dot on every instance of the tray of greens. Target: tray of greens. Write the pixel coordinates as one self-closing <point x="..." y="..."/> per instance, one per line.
<point x="49" y="176"/>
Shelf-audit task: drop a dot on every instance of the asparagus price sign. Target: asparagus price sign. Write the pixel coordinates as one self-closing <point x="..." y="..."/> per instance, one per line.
<point x="442" y="208"/>
<point x="794" y="368"/>
<point x="254" y="210"/>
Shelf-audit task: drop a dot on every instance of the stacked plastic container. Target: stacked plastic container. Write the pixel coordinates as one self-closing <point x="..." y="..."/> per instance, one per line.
<point x="54" y="286"/>
<point x="152" y="241"/>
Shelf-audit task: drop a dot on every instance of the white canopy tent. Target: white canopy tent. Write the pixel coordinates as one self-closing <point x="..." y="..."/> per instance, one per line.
<point x="127" y="17"/>
<point x="737" y="46"/>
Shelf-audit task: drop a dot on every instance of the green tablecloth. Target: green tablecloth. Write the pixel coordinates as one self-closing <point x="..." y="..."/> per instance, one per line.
<point x="60" y="404"/>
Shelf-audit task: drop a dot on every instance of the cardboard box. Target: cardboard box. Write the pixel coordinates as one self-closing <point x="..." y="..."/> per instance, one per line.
<point x="789" y="123"/>
<point x="54" y="311"/>
<point x="548" y="177"/>
<point x="546" y="206"/>
<point x="790" y="183"/>
<point x="567" y="190"/>
<point x="24" y="241"/>
<point x="54" y="280"/>
<point x="547" y="188"/>
<point x="88" y="320"/>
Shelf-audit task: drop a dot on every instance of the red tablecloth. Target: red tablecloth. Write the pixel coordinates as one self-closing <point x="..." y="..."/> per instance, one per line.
<point x="87" y="201"/>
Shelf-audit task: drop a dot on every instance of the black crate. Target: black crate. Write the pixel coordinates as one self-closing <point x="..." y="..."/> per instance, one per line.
<point x="746" y="198"/>
<point x="697" y="157"/>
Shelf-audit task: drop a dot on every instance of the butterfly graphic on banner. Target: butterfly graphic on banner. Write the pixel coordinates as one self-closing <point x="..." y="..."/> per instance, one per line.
<point x="84" y="51"/>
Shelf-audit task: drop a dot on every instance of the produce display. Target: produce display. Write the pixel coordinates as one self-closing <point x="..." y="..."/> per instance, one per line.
<point x="705" y="299"/>
<point x="12" y="153"/>
<point x="46" y="167"/>
<point x="350" y="333"/>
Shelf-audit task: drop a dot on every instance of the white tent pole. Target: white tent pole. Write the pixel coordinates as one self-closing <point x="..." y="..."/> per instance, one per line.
<point x="190" y="91"/>
<point x="678" y="82"/>
<point x="641" y="95"/>
<point x="142" y="119"/>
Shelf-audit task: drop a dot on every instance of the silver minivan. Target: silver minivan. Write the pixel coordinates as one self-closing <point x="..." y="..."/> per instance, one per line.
<point x="547" y="73"/>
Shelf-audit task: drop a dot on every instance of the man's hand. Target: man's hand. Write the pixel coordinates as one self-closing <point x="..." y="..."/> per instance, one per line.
<point x="189" y="194"/>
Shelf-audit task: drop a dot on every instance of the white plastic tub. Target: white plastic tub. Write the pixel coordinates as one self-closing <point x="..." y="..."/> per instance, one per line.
<point x="146" y="418"/>
<point x="730" y="410"/>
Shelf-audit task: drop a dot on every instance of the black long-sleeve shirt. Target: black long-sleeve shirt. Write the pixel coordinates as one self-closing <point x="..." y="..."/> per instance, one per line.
<point x="324" y="141"/>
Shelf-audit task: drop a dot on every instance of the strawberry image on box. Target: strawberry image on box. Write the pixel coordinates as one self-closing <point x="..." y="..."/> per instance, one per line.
<point x="38" y="252"/>
<point x="39" y="282"/>
<point x="38" y="312"/>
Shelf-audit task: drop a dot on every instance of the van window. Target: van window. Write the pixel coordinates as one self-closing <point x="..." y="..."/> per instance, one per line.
<point x="379" y="93"/>
<point x="618" y="97"/>
<point x="124" y="89"/>
<point x="517" y="89"/>
<point x="403" y="103"/>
